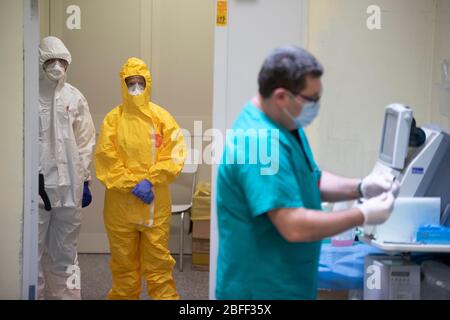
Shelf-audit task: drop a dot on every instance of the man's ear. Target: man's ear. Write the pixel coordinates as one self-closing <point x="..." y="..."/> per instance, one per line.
<point x="280" y="97"/>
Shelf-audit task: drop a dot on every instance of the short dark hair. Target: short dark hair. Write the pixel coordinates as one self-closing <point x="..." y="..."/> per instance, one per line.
<point x="287" y="67"/>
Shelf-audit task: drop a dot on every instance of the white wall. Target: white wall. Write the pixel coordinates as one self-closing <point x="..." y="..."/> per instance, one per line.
<point x="441" y="52"/>
<point x="44" y="18"/>
<point x="182" y="64"/>
<point x="365" y="71"/>
<point x="254" y="28"/>
<point x="11" y="133"/>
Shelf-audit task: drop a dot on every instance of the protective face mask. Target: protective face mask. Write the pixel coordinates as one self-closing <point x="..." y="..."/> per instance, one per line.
<point x="136" y="89"/>
<point x="55" y="71"/>
<point x="308" y="114"/>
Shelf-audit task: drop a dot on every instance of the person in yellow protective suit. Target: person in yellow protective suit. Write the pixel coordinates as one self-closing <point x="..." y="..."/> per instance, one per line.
<point x="140" y="151"/>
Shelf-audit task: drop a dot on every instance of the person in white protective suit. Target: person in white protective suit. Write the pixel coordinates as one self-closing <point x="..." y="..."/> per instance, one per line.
<point x="66" y="142"/>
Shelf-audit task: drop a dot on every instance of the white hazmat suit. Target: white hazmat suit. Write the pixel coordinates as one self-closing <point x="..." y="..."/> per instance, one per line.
<point x="66" y="142"/>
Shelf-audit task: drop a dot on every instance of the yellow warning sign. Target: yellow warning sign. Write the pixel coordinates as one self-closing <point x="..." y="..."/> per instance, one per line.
<point x="222" y="13"/>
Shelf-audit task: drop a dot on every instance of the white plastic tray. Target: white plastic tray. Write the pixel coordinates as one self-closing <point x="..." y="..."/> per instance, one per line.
<point x="407" y="247"/>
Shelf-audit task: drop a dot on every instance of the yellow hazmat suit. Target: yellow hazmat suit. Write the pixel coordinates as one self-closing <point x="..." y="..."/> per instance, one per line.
<point x="139" y="140"/>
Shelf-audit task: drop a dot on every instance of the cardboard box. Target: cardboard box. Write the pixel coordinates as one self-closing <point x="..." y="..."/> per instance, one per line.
<point x="198" y="267"/>
<point x="332" y="295"/>
<point x="201" y="229"/>
<point x="201" y="202"/>
<point x="200" y="254"/>
<point x="201" y="208"/>
<point x="200" y="245"/>
<point x="200" y="258"/>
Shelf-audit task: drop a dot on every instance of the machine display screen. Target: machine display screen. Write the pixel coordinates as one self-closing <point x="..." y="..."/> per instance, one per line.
<point x="389" y="137"/>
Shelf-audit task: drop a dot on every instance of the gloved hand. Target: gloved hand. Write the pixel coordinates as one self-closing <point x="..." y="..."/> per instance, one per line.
<point x="87" y="197"/>
<point x="375" y="184"/>
<point x="377" y="209"/>
<point x="143" y="190"/>
<point x="43" y="194"/>
<point x="395" y="189"/>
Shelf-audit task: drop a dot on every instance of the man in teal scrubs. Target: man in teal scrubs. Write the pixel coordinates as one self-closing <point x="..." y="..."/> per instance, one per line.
<point x="269" y="212"/>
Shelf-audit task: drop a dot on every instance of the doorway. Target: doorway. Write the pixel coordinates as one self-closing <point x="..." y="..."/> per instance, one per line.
<point x="175" y="38"/>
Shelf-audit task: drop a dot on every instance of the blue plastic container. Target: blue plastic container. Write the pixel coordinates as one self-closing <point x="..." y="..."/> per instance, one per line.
<point x="433" y="234"/>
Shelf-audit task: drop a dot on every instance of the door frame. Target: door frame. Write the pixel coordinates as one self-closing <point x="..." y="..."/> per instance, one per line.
<point x="31" y="150"/>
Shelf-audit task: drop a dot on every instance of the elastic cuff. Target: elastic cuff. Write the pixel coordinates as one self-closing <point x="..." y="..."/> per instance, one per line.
<point x="360" y="190"/>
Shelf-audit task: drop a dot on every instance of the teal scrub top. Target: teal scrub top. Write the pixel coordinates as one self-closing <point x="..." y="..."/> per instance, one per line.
<point x="254" y="260"/>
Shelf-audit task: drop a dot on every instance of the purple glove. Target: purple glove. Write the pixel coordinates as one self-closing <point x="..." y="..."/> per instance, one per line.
<point x="87" y="196"/>
<point x="143" y="191"/>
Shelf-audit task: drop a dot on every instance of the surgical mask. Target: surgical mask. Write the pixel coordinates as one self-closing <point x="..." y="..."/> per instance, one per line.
<point x="306" y="117"/>
<point x="55" y="71"/>
<point x="136" y="89"/>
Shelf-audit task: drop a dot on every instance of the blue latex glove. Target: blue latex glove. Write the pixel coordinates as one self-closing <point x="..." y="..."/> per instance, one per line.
<point x="143" y="191"/>
<point x="87" y="197"/>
